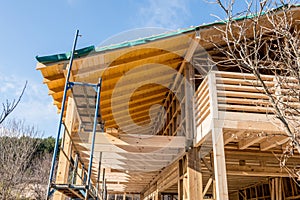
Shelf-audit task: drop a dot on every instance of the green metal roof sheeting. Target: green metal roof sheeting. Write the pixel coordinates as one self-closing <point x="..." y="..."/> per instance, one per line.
<point x="65" y="56"/>
<point x="142" y="40"/>
<point x="91" y="49"/>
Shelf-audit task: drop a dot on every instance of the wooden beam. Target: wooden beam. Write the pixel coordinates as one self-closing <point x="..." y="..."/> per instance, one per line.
<point x="130" y="149"/>
<point x="151" y="100"/>
<point x="133" y="113"/>
<point x="56" y="91"/>
<point x="143" y="77"/>
<point x="109" y="88"/>
<point x="54" y="77"/>
<point x="127" y="122"/>
<point x="207" y="165"/>
<point x="137" y="140"/>
<point x="141" y="94"/>
<point x="135" y="163"/>
<point x="246" y="142"/>
<point x="259" y="171"/>
<point x="231" y="136"/>
<point x="130" y="61"/>
<point x="257" y="155"/>
<point x="273" y="142"/>
<point x="207" y="186"/>
<point x="241" y="124"/>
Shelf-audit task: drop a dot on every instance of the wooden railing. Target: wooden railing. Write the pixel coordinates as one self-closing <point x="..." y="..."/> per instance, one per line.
<point x="240" y="92"/>
<point x="235" y="96"/>
<point x="202" y="102"/>
<point x="236" y="92"/>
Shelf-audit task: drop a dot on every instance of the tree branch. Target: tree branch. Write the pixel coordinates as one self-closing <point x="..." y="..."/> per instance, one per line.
<point x="8" y="107"/>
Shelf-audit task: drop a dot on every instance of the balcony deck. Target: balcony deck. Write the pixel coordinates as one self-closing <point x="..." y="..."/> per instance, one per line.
<point x="253" y="138"/>
<point x="236" y="103"/>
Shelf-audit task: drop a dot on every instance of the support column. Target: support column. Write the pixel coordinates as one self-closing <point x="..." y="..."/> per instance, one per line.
<point x="181" y="174"/>
<point x="280" y="188"/>
<point x="79" y="180"/>
<point x="219" y="164"/>
<point x="63" y="163"/>
<point x="190" y="184"/>
<point x="141" y="197"/>
<point x="194" y="176"/>
<point x="157" y="195"/>
<point x="273" y="189"/>
<point x="276" y="189"/>
<point x="217" y="142"/>
<point x="189" y="90"/>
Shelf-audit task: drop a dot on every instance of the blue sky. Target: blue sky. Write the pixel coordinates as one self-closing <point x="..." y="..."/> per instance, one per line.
<point x="30" y="28"/>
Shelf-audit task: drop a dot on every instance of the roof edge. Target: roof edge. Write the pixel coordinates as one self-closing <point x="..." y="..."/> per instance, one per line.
<point x="90" y="49"/>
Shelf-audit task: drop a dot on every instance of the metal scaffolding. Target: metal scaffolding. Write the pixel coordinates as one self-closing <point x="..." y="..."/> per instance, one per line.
<point x="87" y="99"/>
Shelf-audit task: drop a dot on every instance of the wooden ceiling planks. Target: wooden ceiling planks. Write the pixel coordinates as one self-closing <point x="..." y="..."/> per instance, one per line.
<point x="128" y="171"/>
<point x="131" y="162"/>
<point x="114" y="66"/>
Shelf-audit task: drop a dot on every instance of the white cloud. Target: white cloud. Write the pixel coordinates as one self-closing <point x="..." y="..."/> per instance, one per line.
<point x="7" y="85"/>
<point x="164" y="13"/>
<point x="36" y="106"/>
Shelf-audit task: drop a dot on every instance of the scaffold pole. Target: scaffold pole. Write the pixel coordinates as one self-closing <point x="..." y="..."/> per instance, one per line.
<point x="98" y="177"/>
<point x="93" y="138"/>
<point x="56" y="147"/>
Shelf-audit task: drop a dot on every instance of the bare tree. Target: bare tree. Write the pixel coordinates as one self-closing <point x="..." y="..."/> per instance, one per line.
<point x="40" y="175"/>
<point x="17" y="146"/>
<point x="9" y="106"/>
<point x="266" y="40"/>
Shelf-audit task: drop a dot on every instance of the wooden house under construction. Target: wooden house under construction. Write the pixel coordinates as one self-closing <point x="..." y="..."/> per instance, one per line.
<point x="156" y="118"/>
